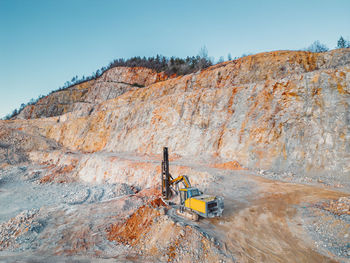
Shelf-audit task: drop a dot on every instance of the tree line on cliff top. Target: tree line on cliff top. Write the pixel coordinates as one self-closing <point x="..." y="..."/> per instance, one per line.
<point x="318" y="47"/>
<point x="171" y="66"/>
<point x="159" y="63"/>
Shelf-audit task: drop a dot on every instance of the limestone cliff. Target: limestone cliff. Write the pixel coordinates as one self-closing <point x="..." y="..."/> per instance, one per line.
<point x="283" y="110"/>
<point x="82" y="98"/>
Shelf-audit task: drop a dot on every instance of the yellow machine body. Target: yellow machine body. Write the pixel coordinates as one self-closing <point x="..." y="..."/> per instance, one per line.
<point x="203" y="205"/>
<point x="196" y="205"/>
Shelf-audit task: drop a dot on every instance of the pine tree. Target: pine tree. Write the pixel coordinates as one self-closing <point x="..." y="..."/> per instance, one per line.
<point x="341" y="42"/>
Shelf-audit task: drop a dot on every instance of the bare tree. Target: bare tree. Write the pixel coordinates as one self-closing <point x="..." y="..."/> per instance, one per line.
<point x="221" y="59"/>
<point x="317" y="47"/>
<point x="203" y="52"/>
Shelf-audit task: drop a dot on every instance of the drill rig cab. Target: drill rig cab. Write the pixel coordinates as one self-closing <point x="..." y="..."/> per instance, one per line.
<point x="193" y="203"/>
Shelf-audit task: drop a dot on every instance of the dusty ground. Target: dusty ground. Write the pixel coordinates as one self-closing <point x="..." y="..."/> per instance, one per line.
<point x="264" y="220"/>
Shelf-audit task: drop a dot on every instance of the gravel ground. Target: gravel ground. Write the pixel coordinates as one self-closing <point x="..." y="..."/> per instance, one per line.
<point x="38" y="217"/>
<point x="20" y="190"/>
<point x="330" y="232"/>
<point x="323" y="180"/>
<point x="70" y="219"/>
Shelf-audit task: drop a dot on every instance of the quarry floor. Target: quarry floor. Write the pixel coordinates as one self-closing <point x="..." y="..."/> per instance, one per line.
<point x="264" y="221"/>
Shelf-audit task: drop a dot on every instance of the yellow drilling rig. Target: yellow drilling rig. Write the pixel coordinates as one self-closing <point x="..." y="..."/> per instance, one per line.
<point x="193" y="203"/>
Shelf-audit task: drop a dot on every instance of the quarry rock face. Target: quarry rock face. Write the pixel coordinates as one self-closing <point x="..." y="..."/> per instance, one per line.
<point x="269" y="133"/>
<point x="82" y="97"/>
<point x="282" y="110"/>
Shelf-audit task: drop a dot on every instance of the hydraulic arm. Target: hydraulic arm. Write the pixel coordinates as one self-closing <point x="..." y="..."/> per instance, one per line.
<point x="181" y="178"/>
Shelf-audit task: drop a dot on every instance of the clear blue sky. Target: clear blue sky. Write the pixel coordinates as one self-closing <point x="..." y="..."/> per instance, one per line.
<point x="44" y="43"/>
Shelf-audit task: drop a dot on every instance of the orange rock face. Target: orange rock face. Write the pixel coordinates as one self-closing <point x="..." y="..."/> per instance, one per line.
<point x="131" y="231"/>
<point x="233" y="165"/>
<point x="82" y="97"/>
<point x="283" y="110"/>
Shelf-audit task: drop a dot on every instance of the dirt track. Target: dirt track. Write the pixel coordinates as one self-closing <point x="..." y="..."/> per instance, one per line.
<point x="261" y="221"/>
<point x="268" y="229"/>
